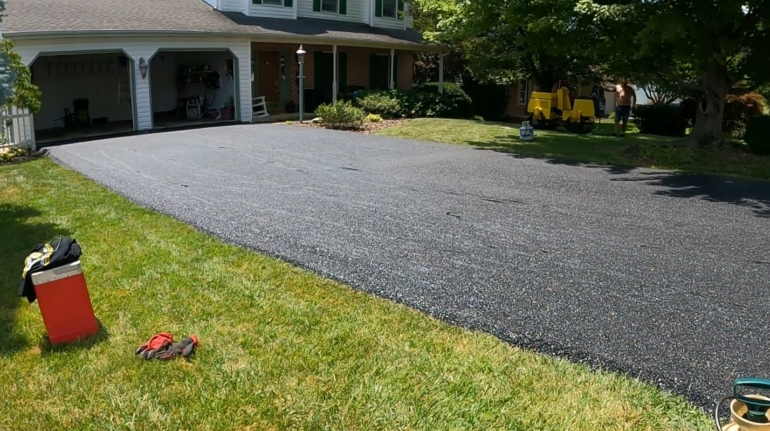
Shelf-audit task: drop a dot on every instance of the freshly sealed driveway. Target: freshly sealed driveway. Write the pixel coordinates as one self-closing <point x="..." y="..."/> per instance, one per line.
<point x="658" y="274"/>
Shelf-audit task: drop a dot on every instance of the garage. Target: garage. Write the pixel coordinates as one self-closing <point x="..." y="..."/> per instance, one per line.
<point x="83" y="95"/>
<point x="193" y="88"/>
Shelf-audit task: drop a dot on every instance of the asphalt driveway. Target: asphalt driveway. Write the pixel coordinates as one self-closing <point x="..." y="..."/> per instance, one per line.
<point x="661" y="275"/>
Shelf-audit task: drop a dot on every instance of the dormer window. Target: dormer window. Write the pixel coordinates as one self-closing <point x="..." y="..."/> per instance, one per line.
<point x="329" y="6"/>
<point x="390" y="8"/>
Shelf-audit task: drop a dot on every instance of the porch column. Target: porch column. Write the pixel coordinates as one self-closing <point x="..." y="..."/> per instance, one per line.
<point x="441" y="72"/>
<point x="392" y="66"/>
<point x="334" y="79"/>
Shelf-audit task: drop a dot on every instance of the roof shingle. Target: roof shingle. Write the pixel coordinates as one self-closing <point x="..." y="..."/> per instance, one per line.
<point x="177" y="16"/>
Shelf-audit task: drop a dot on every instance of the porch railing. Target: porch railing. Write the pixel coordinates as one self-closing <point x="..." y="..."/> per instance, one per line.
<point x="16" y="128"/>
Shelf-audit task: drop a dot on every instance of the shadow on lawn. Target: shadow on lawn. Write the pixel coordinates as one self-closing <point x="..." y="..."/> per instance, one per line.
<point x="17" y="237"/>
<point x="601" y="150"/>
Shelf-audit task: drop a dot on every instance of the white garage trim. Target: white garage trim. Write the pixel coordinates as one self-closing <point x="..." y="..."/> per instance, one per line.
<point x="33" y="56"/>
<point x="146" y="47"/>
<point x="239" y="113"/>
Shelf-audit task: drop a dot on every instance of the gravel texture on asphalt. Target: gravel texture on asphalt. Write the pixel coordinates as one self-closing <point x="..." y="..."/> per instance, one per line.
<point x="660" y="275"/>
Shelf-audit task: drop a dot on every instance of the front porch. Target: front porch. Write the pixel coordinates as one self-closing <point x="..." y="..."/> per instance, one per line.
<point x="331" y="73"/>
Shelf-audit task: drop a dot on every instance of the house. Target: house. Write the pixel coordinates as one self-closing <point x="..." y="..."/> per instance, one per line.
<point x="111" y="66"/>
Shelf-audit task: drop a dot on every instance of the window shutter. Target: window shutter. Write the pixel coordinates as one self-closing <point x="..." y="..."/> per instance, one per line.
<point x="372" y="71"/>
<point x="256" y="1"/>
<point x="288" y="3"/>
<point x="400" y="9"/>
<point x="316" y="5"/>
<point x="318" y="69"/>
<point x="378" y="8"/>
<point x="342" y="71"/>
<point x="343" y="7"/>
<point x="395" y="71"/>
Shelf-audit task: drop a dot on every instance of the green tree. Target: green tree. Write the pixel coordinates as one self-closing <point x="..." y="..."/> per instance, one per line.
<point x="16" y="87"/>
<point x="505" y="40"/>
<point x="695" y="48"/>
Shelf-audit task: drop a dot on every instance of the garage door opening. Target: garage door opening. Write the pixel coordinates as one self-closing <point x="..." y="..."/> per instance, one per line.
<point x="192" y="88"/>
<point x="83" y="95"/>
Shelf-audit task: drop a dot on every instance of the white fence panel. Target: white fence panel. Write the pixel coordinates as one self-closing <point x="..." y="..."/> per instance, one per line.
<point x="17" y="128"/>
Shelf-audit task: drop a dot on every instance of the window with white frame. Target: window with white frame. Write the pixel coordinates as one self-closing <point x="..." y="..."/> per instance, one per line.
<point x="523" y="91"/>
<point x="273" y="2"/>
<point x="329" y="6"/>
<point x="390" y="8"/>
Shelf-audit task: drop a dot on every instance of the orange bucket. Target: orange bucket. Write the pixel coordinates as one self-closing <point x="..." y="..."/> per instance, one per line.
<point x="64" y="303"/>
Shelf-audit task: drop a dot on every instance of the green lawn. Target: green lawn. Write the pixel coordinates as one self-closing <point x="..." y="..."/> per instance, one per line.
<point x="601" y="147"/>
<point x="281" y="349"/>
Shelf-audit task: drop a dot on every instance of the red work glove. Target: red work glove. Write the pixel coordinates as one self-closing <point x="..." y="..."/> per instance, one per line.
<point x="184" y="348"/>
<point x="157" y="343"/>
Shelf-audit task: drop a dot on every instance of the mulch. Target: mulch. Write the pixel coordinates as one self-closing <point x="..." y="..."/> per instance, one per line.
<point x="367" y="129"/>
<point x="17" y="155"/>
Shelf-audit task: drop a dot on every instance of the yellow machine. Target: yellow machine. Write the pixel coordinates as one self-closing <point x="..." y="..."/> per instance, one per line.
<point x="551" y="110"/>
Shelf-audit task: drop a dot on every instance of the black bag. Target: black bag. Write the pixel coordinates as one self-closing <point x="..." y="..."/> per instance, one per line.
<point x="59" y="252"/>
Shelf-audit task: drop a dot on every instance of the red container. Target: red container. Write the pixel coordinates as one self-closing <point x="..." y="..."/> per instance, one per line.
<point x="64" y="303"/>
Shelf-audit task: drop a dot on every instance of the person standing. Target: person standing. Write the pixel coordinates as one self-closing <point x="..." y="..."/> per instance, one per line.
<point x="625" y="100"/>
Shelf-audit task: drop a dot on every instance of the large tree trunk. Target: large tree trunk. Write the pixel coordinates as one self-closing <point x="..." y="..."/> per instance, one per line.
<point x="708" y="120"/>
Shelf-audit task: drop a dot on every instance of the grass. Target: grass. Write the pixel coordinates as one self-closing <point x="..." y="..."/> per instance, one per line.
<point x="281" y="349"/>
<point x="635" y="149"/>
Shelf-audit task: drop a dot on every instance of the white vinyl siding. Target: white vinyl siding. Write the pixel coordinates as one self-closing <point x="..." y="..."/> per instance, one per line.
<point x="232" y="5"/>
<point x="267" y="10"/>
<point x="146" y="47"/>
<point x="357" y="11"/>
<point x="388" y="23"/>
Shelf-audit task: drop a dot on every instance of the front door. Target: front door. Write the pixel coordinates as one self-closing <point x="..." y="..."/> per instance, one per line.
<point x="267" y="75"/>
<point x="324" y="75"/>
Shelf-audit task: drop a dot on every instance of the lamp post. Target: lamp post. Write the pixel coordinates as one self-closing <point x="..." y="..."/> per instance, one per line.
<point x="300" y="60"/>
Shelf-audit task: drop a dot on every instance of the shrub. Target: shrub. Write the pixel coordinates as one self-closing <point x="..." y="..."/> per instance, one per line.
<point x="489" y="99"/>
<point x="757" y="135"/>
<point x="373" y="118"/>
<point x="659" y="119"/>
<point x="383" y="103"/>
<point x="739" y="109"/>
<point x="478" y="118"/>
<point x="341" y="115"/>
<point x="459" y="103"/>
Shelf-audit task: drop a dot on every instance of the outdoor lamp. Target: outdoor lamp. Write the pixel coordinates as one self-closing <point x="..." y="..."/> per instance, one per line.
<point x="300" y="58"/>
<point x="143" y="67"/>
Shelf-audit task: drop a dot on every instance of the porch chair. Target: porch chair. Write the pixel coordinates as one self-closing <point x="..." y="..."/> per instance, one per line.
<point x="259" y="107"/>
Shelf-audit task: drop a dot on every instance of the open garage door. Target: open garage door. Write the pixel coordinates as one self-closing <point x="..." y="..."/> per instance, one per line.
<point x="192" y="88"/>
<point x="83" y="95"/>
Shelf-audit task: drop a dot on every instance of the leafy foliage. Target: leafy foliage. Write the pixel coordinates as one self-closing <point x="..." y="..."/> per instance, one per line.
<point x="739" y="109"/>
<point x="341" y="115"/>
<point x="382" y="103"/>
<point x="16" y="88"/>
<point x="659" y="119"/>
<point x="489" y="99"/>
<point x="458" y="100"/>
<point x="422" y="101"/>
<point x="373" y="118"/>
<point x="688" y="47"/>
<point x="505" y="40"/>
<point x="758" y="135"/>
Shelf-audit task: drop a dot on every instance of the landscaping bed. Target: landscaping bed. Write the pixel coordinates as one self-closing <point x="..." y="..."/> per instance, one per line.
<point x="367" y="128"/>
